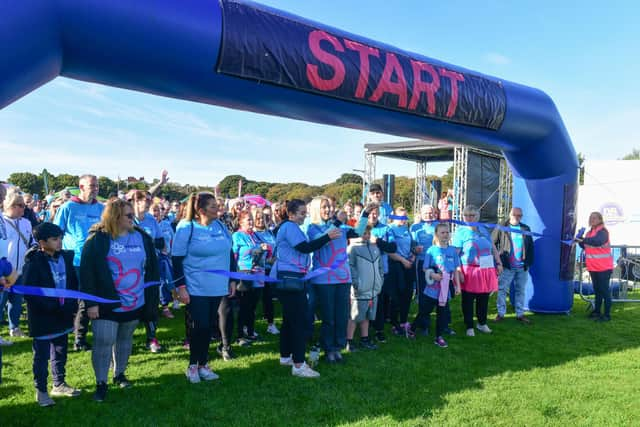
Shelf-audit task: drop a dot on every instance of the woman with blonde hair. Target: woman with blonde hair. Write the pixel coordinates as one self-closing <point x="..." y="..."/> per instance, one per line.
<point x="117" y="260"/>
<point x="18" y="231"/>
<point x="331" y="289"/>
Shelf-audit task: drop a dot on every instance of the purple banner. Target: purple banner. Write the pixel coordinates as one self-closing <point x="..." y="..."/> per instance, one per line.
<point x="286" y="52"/>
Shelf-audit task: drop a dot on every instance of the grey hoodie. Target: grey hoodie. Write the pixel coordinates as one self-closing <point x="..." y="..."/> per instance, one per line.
<point x="367" y="272"/>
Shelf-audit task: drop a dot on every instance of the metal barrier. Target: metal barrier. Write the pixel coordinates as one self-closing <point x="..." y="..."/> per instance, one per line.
<point x="625" y="279"/>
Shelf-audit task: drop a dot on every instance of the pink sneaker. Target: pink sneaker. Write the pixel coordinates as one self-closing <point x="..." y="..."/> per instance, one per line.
<point x="167" y="313"/>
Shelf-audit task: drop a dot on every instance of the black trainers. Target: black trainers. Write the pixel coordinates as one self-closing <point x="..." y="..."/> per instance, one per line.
<point x="380" y="337"/>
<point x="81" y="345"/>
<point x="594" y="315"/>
<point x="101" y="392"/>
<point x="226" y="353"/>
<point x="352" y="347"/>
<point x="367" y="344"/>
<point x="603" y="318"/>
<point x="121" y="381"/>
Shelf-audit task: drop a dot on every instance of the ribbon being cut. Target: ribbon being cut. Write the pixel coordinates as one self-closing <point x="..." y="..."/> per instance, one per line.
<point x="66" y="293"/>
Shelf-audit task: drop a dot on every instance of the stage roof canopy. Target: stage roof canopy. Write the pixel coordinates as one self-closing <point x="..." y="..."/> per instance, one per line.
<point x="418" y="150"/>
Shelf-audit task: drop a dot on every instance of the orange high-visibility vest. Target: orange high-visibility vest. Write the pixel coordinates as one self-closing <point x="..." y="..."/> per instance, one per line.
<point x="598" y="258"/>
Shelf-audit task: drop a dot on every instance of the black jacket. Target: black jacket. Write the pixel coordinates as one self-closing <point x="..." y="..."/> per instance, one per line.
<point x="46" y="315"/>
<point x="503" y="242"/>
<point x="95" y="276"/>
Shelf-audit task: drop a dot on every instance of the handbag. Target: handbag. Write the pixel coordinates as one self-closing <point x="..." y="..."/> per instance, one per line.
<point x="290" y="282"/>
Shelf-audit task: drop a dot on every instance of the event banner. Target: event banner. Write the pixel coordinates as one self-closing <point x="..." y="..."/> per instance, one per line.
<point x="569" y="218"/>
<point x="285" y="52"/>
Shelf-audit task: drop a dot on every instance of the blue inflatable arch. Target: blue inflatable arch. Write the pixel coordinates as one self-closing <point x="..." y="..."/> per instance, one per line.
<point x="251" y="57"/>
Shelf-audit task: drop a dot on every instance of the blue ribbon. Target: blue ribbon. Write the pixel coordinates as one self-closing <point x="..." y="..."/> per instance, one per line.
<point x="399" y="217"/>
<point x="69" y="293"/>
<point x="503" y="228"/>
<point x="39" y="291"/>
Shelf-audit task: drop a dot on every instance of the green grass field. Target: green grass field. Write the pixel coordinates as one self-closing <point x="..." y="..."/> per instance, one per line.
<point x="562" y="370"/>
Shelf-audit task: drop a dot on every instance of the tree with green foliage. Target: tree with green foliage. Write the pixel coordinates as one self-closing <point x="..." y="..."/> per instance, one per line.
<point x="28" y="182"/>
<point x="349" y="178"/>
<point x="634" y="155"/>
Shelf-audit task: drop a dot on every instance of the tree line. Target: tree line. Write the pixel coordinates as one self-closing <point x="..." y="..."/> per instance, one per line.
<point x="347" y="187"/>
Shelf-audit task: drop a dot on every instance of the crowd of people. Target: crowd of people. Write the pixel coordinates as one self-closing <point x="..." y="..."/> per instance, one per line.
<point x="355" y="266"/>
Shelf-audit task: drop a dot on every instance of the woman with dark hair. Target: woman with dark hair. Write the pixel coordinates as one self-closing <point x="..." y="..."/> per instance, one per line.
<point x="292" y="264"/>
<point x="203" y="243"/>
<point x="117" y="259"/>
<point x="263" y="232"/>
<point x="597" y="251"/>
<point x="144" y="220"/>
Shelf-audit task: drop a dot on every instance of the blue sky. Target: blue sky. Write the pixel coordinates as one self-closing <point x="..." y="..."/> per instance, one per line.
<point x="584" y="54"/>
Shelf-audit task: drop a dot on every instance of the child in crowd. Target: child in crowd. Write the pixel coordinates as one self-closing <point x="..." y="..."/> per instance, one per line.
<point x="367" y="275"/>
<point x="50" y="319"/>
<point x="441" y="267"/>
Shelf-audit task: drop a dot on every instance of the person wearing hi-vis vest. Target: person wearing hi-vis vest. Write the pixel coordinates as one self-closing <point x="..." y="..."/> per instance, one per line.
<point x="597" y="251"/>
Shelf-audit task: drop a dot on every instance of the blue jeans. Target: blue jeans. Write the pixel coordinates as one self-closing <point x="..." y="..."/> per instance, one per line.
<point x="14" y="306"/>
<point x="519" y="277"/>
<point x="334" y="310"/>
<point x="54" y="349"/>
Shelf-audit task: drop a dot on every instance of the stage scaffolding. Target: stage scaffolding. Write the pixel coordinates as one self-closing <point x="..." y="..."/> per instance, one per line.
<point x="425" y="152"/>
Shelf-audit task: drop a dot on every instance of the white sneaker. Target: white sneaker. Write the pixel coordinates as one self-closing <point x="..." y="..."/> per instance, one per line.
<point x="206" y="373"/>
<point x="304" y="371"/>
<point x="470" y="332"/>
<point x="16" y="332"/>
<point x="286" y="361"/>
<point x="273" y="329"/>
<point x="4" y="342"/>
<point x="154" y="346"/>
<point x="484" y="328"/>
<point x="192" y="374"/>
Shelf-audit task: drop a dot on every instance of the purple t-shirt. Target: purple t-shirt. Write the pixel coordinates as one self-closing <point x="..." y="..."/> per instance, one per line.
<point x="126" y="260"/>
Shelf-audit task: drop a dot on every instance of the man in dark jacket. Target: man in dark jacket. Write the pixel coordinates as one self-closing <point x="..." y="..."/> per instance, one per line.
<point x="516" y="254"/>
<point x="50" y="319"/>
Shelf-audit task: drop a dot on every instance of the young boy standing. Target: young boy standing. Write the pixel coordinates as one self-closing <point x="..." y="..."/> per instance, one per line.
<point x="367" y="275"/>
<point x="50" y="319"/>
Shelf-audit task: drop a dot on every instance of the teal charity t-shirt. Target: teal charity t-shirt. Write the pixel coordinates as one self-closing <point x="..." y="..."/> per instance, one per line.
<point x="75" y="219"/>
<point x="422" y="233"/>
<point x="381" y="231"/>
<point x="402" y="237"/>
<point x="333" y="255"/>
<point x="516" y="258"/>
<point x="204" y="248"/>
<point x="475" y="247"/>
<point x="126" y="258"/>
<point x="445" y="259"/>
<point x="287" y="257"/>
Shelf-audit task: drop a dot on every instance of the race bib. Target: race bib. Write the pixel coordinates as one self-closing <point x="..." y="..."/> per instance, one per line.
<point x="486" y="261"/>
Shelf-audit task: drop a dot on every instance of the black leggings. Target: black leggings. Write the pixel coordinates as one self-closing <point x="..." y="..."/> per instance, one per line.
<point x="200" y="320"/>
<point x="482" y="307"/>
<point x="267" y="302"/>
<point x="248" y="301"/>
<point x="400" y="291"/>
<point x="426" y="306"/>
<point x="292" y="333"/>
<point x="600" y="280"/>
